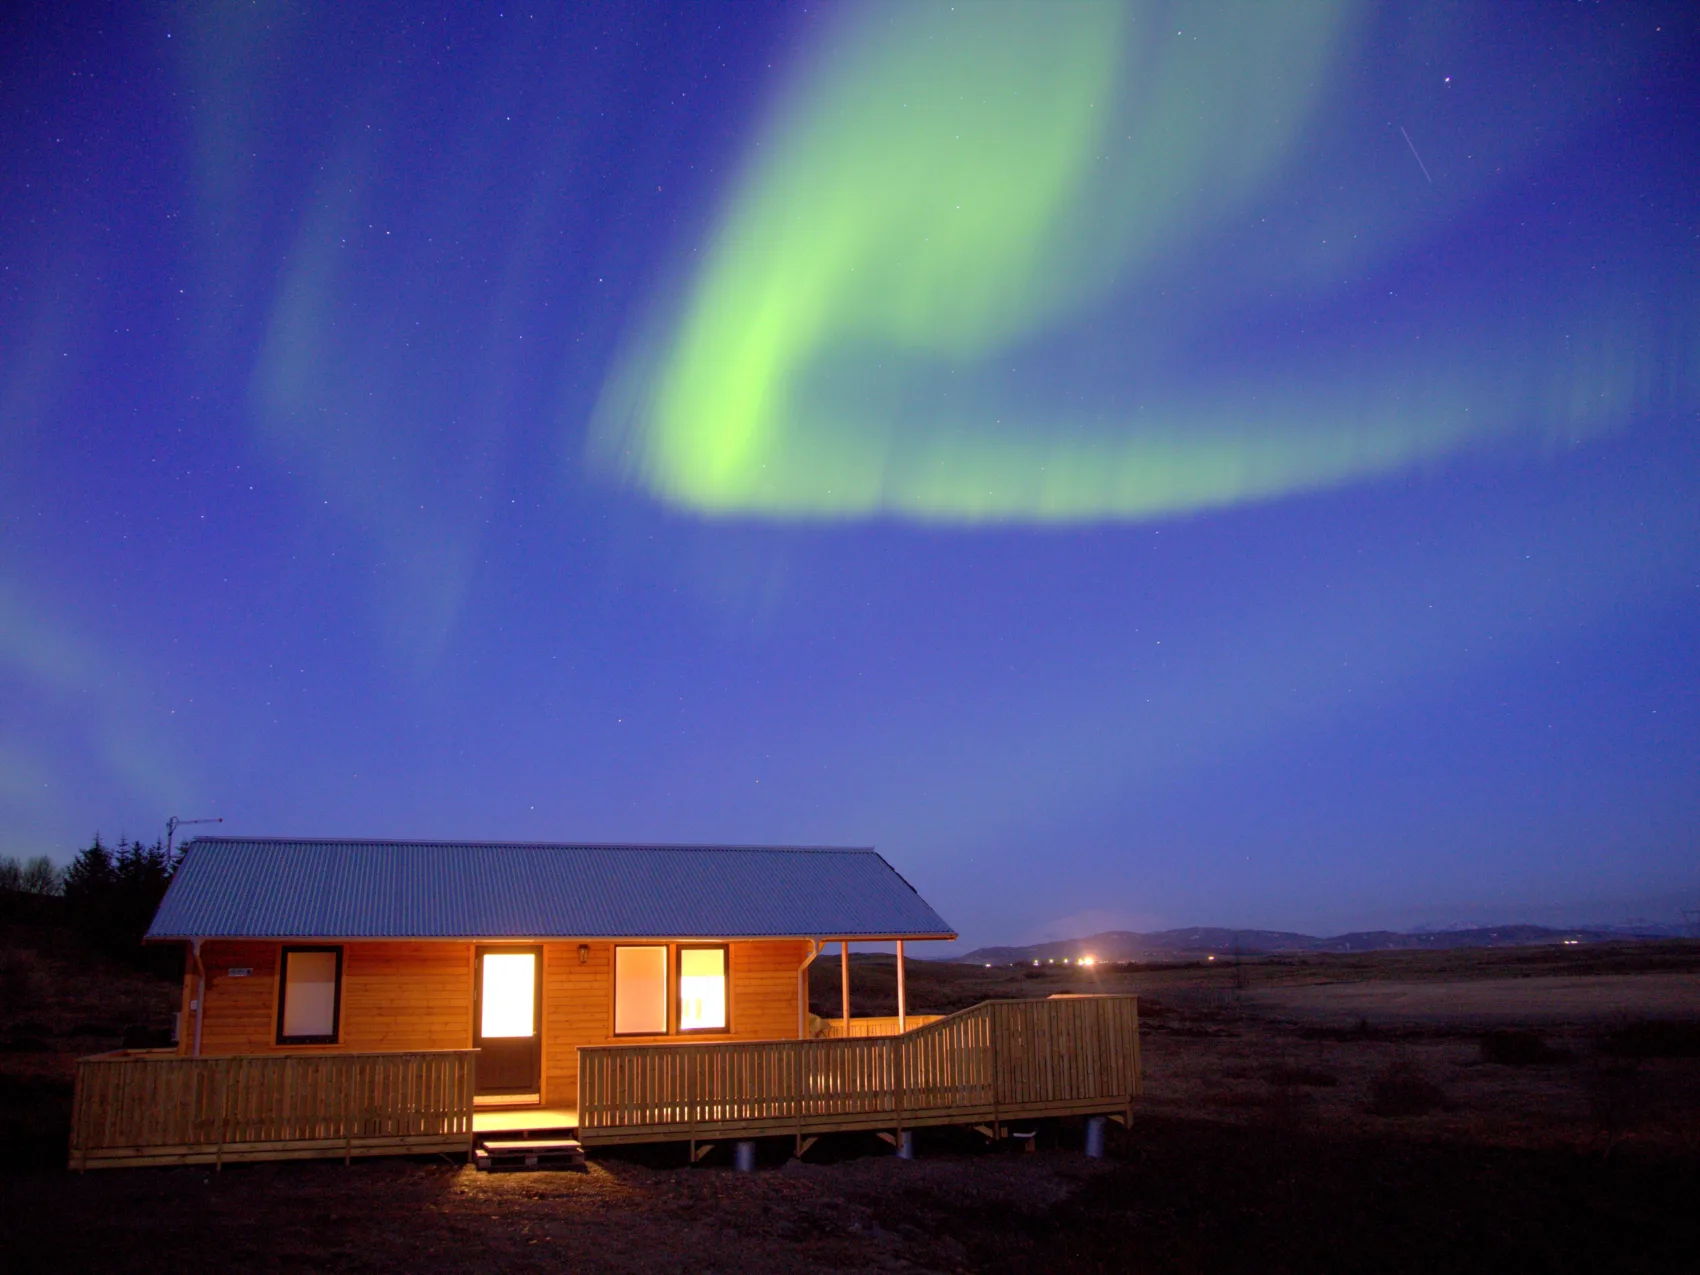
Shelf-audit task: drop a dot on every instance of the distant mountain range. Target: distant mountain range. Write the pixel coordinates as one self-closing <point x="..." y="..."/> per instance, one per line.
<point x="1129" y="945"/>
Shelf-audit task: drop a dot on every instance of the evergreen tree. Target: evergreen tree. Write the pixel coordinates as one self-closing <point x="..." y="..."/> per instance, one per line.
<point x="88" y="881"/>
<point x="141" y="872"/>
<point x="140" y="875"/>
<point x="111" y="898"/>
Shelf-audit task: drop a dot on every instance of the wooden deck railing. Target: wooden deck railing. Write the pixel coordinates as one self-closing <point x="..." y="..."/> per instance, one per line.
<point x="152" y="1109"/>
<point x="998" y="1061"/>
<point x="833" y="1028"/>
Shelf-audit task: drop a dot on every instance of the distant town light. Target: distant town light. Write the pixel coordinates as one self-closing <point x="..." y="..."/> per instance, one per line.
<point x="1210" y="958"/>
<point x="1088" y="960"/>
<point x="1035" y="962"/>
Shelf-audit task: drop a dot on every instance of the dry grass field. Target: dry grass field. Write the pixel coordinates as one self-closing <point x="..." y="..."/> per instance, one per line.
<point x="1526" y="1109"/>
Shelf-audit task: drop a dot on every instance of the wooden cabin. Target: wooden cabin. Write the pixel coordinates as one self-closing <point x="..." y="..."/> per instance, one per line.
<point x="522" y="952"/>
<point x="374" y="997"/>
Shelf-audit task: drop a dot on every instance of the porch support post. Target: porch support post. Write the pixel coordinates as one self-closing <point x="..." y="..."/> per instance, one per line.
<point x="815" y="947"/>
<point x="200" y="994"/>
<point x="844" y="979"/>
<point x="902" y="992"/>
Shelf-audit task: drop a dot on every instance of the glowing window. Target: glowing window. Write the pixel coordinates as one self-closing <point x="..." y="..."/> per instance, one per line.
<point x="640" y="991"/>
<point x="508" y="1003"/>
<point x="311" y="979"/>
<point x="702" y="989"/>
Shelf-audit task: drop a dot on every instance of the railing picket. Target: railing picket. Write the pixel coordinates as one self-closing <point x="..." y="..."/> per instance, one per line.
<point x="169" y="1109"/>
<point x="993" y="1061"/>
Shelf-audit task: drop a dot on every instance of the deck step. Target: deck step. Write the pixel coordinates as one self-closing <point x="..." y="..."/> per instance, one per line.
<point x="493" y="1155"/>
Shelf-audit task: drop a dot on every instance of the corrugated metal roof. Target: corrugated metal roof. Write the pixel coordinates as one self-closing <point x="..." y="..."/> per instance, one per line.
<point x="229" y="887"/>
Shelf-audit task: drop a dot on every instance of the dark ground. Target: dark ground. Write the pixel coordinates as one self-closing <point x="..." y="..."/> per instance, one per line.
<point x="1271" y="1139"/>
<point x="1177" y="1195"/>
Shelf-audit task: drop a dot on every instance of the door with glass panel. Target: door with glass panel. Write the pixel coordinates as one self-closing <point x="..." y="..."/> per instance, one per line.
<point x="507" y="1020"/>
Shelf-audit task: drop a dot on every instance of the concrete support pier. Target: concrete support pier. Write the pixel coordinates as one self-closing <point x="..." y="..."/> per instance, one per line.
<point x="1095" y="1137"/>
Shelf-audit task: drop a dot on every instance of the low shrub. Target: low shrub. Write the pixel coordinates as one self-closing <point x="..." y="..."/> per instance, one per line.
<point x="1617" y="1094"/>
<point x="21" y="985"/>
<point x="1401" y="1089"/>
<point x="35" y="1124"/>
<point x="1240" y="1099"/>
<point x="1363" y="1030"/>
<point x="137" y="1036"/>
<point x="1654" y="1038"/>
<point x="1520" y="1049"/>
<point x="1293" y="1074"/>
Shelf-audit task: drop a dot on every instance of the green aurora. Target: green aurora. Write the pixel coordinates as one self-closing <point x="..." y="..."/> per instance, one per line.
<point x="974" y="267"/>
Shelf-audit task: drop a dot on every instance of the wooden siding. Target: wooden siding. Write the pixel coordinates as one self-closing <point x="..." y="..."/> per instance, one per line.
<point x="238" y="1015"/>
<point x="998" y="1061"/>
<point x="578" y="1004"/>
<point x="395" y="996"/>
<point x="413" y="996"/>
<point x="408" y="996"/>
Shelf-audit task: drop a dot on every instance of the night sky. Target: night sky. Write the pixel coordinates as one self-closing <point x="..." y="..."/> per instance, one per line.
<point x="1135" y="465"/>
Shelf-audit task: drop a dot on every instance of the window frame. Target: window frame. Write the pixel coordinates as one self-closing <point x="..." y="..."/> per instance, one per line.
<point x="284" y="954"/>
<point x="667" y="1013"/>
<point x="676" y="989"/>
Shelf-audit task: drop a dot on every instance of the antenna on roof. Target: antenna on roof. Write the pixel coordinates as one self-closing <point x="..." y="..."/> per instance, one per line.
<point x="173" y="824"/>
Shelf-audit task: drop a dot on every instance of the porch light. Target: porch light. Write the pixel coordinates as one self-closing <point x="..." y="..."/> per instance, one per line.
<point x="584" y="954"/>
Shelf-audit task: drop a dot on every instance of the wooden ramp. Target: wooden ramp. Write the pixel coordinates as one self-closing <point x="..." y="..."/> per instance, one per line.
<point x="1000" y="1060"/>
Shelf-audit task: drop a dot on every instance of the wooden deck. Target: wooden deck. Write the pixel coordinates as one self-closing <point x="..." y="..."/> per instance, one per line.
<point x="140" y="1109"/>
<point x="525" y="1120"/>
<point x="999" y="1061"/>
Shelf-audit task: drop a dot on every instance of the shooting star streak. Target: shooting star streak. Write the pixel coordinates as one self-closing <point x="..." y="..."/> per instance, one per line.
<point x="1413" y="147"/>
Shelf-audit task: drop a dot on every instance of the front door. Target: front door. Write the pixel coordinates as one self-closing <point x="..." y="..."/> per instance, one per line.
<point x="507" y="1027"/>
